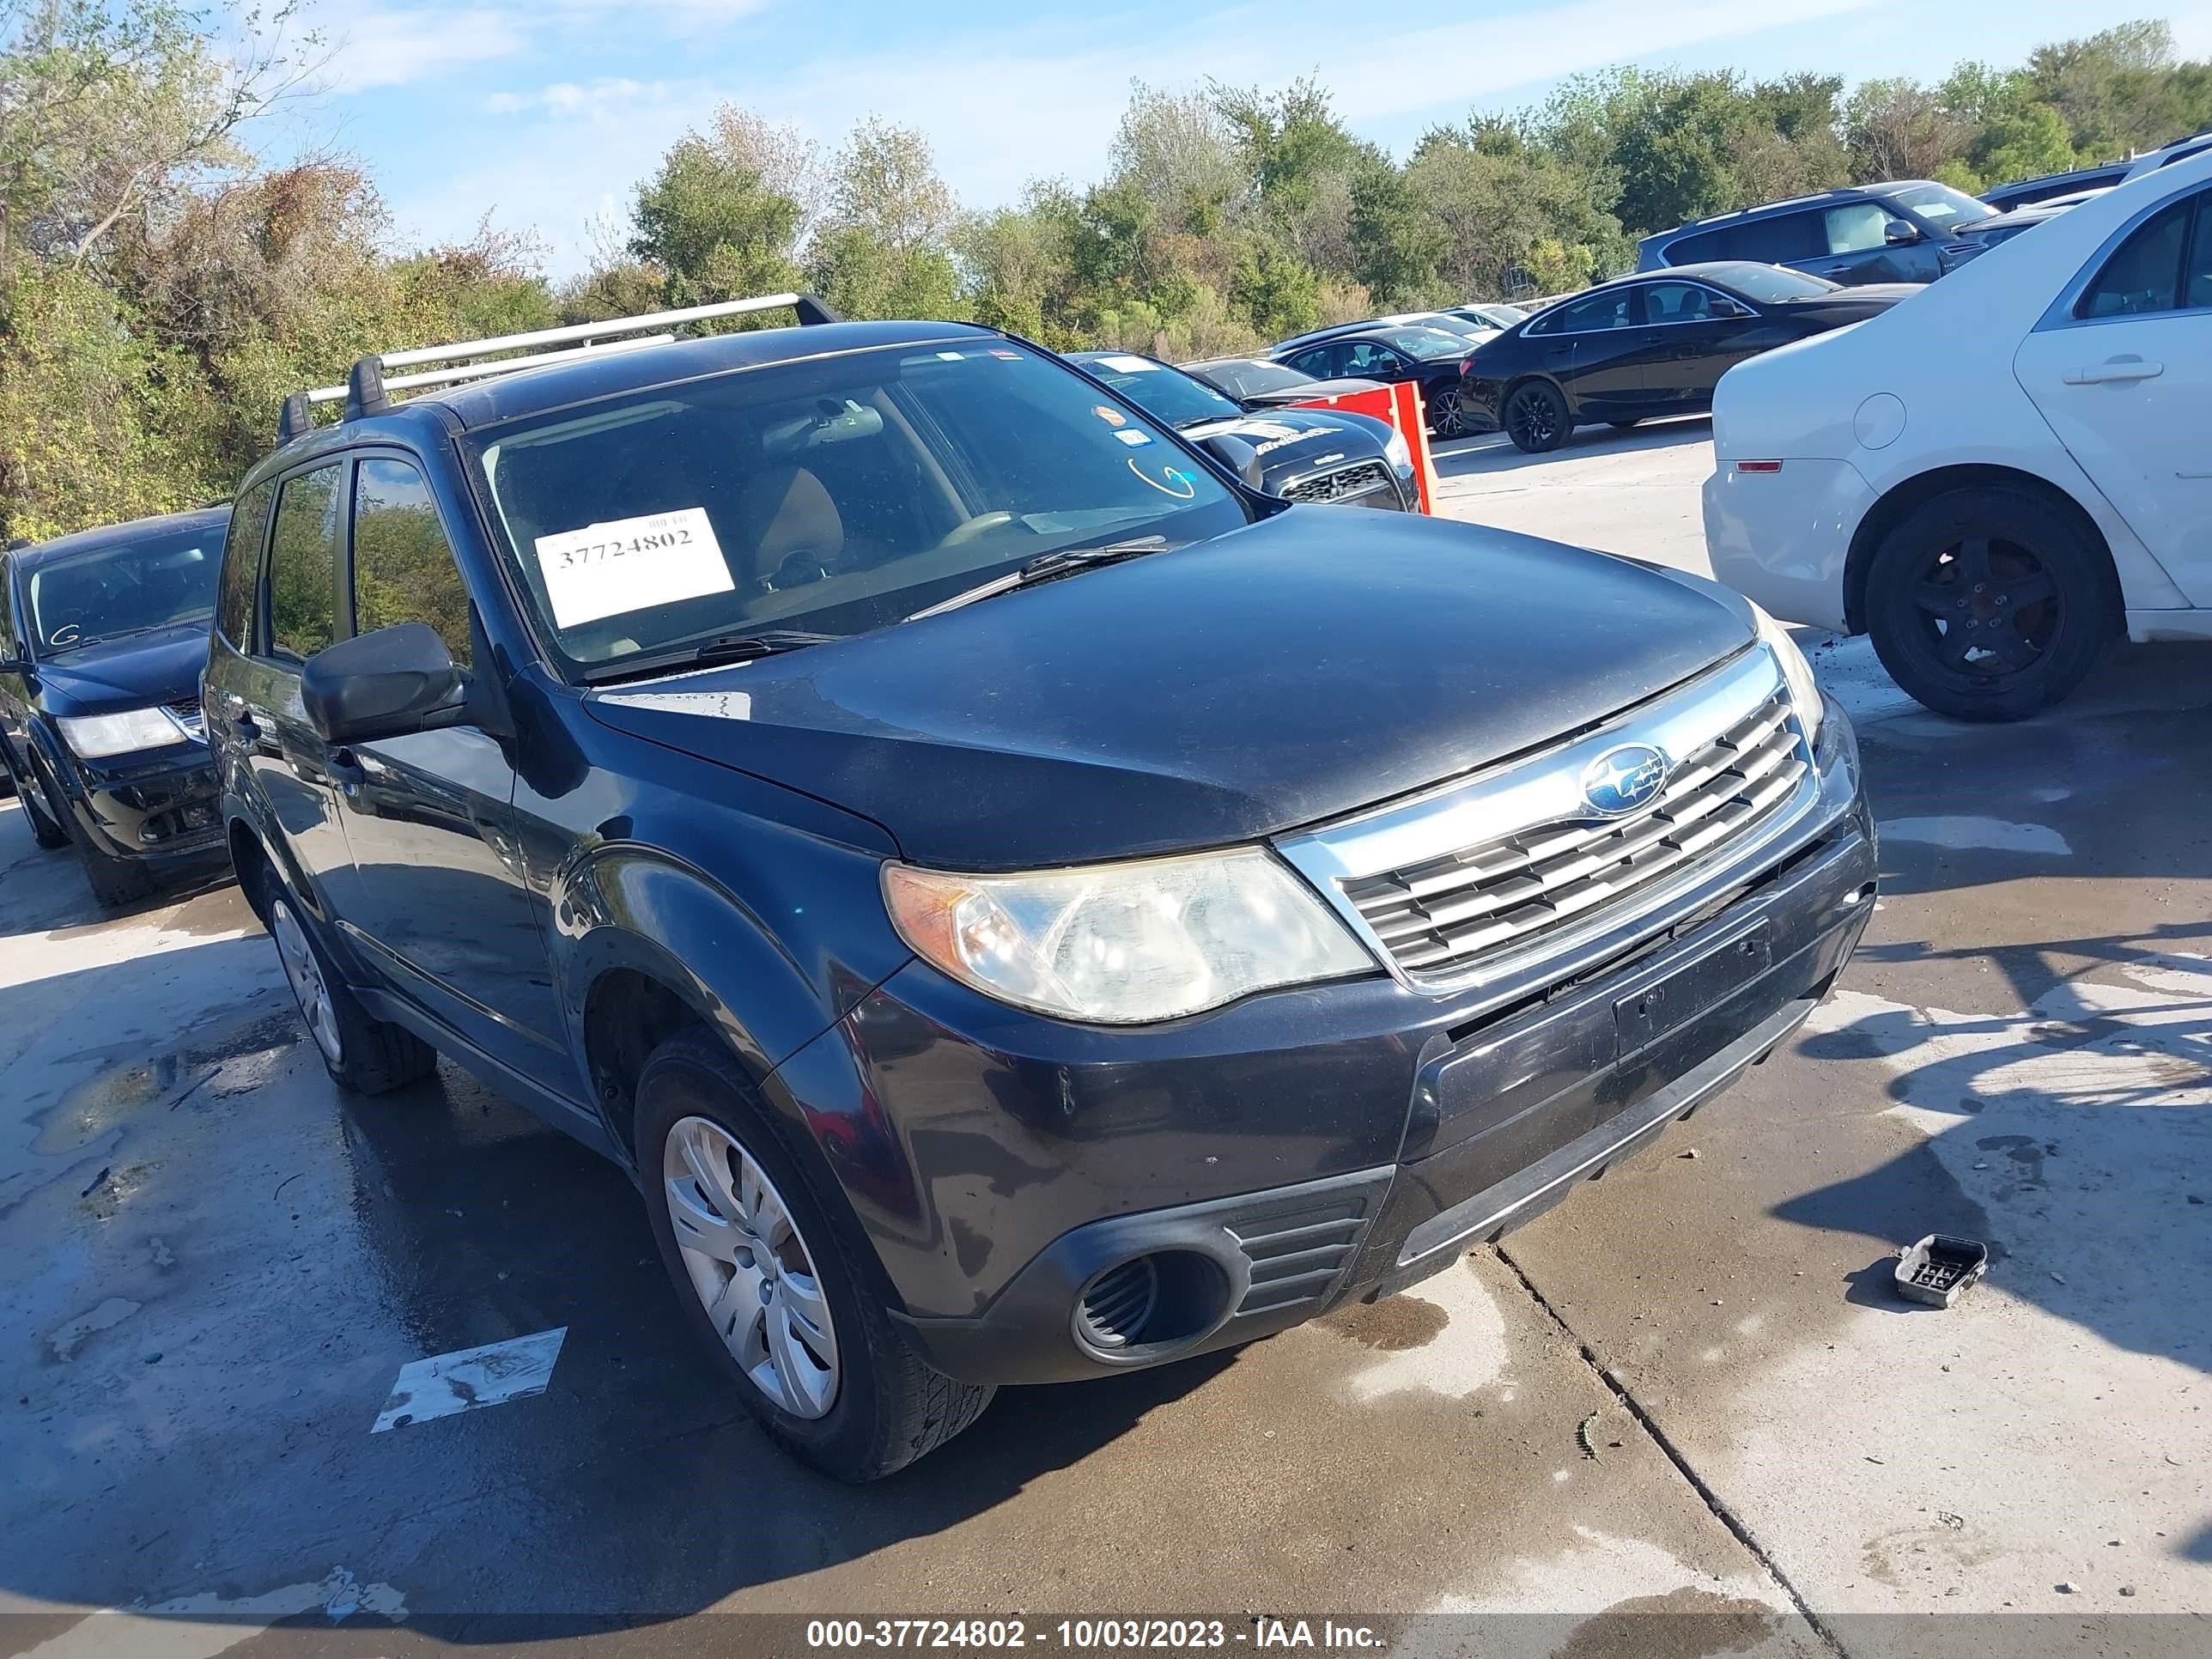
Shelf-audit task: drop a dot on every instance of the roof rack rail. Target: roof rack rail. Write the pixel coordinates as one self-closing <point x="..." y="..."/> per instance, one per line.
<point x="369" y="388"/>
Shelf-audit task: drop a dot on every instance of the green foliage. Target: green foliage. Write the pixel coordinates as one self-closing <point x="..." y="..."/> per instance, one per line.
<point x="160" y="292"/>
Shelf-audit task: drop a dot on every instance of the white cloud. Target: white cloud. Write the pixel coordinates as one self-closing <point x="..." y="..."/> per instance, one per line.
<point x="376" y="46"/>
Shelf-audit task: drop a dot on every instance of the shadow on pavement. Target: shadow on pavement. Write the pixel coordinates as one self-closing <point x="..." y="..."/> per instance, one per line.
<point x="1494" y="451"/>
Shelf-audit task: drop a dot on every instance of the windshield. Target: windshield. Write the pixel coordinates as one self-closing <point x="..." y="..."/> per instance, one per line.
<point x="1427" y="343"/>
<point x="1769" y="284"/>
<point x="1245" y="378"/>
<point x="1940" y="205"/>
<point x="835" y="496"/>
<point x="107" y="592"/>
<point x="1501" y="316"/>
<point x="1166" y="394"/>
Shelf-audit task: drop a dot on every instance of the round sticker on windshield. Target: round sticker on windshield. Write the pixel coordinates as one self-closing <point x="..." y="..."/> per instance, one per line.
<point x="1111" y="416"/>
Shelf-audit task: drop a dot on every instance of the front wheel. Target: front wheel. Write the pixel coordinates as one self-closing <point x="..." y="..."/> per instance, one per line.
<point x="1986" y="605"/>
<point x="1536" y="418"/>
<point x="777" y="1287"/>
<point x="45" y="829"/>
<point x="362" y="1052"/>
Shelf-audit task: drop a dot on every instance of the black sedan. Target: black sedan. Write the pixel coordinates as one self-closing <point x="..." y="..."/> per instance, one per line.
<point x="1304" y="454"/>
<point x="1652" y="344"/>
<point x="1394" y="351"/>
<point x="1255" y="383"/>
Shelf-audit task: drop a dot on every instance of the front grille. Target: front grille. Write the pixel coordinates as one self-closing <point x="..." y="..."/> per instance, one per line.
<point x="1298" y="1253"/>
<point x="188" y="715"/>
<point x="1440" y="917"/>
<point x="1361" y="478"/>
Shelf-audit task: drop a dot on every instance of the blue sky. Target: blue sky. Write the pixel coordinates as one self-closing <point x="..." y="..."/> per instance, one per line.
<point x="547" y="112"/>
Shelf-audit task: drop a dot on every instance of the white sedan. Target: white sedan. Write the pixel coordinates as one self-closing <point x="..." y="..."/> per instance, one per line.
<point x="2002" y="477"/>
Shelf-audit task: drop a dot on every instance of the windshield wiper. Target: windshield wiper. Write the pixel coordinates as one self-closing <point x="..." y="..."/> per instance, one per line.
<point x="1044" y="567"/>
<point x="722" y="648"/>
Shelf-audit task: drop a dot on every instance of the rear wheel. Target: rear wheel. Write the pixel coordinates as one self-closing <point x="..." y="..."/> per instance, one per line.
<point x="1447" y="415"/>
<point x="1986" y="605"/>
<point x="365" y="1055"/>
<point x="777" y="1287"/>
<point x="1536" y="418"/>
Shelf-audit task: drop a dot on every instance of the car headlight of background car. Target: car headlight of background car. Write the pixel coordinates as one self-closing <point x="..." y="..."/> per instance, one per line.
<point x="1122" y="944"/>
<point x="1797" y="673"/>
<point x="97" y="737"/>
<point x="1396" y="451"/>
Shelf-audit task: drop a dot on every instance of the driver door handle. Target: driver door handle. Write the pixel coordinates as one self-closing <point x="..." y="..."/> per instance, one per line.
<point x="2113" y="369"/>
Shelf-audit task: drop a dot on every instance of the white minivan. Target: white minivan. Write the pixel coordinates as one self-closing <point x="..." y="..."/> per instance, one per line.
<point x="2000" y="478"/>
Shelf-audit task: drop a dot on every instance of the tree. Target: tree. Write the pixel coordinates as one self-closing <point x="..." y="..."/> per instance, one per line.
<point x="885" y="249"/>
<point x="1899" y="129"/>
<point x="112" y="109"/>
<point x="1180" y="153"/>
<point x="714" y="222"/>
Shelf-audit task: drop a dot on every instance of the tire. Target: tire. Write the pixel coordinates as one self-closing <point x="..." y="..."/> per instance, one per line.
<point x="1448" y="415"/>
<point x="1986" y="605"/>
<point x="824" y="1370"/>
<point x="1536" y="417"/>
<point x="45" y="829"/>
<point x="368" y="1055"/>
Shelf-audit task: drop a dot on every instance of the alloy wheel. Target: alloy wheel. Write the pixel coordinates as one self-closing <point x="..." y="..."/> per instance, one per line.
<point x="1989" y="606"/>
<point x="305" y="972"/>
<point x="1531" y="419"/>
<point x="753" y="1272"/>
<point x="1448" y="418"/>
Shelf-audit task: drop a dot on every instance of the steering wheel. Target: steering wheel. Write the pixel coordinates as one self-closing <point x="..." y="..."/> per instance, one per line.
<point x="974" y="527"/>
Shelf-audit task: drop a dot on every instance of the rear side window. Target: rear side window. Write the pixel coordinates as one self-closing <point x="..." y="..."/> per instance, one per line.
<point x="1599" y="311"/>
<point x="241" y="563"/>
<point x="303" y="562"/>
<point x="1696" y="250"/>
<point x="403" y="565"/>
<point x="2144" y="273"/>
<point x="1778" y="240"/>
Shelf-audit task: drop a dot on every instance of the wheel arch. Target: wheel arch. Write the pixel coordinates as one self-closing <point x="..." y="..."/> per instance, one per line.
<point x="1905" y="498"/>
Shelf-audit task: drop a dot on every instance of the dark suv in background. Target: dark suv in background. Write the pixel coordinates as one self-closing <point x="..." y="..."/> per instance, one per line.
<point x="1021" y="903"/>
<point x="1890" y="232"/>
<point x="102" y="638"/>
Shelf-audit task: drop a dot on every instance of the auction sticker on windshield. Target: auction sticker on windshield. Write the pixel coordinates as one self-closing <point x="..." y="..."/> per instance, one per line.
<point x="631" y="564"/>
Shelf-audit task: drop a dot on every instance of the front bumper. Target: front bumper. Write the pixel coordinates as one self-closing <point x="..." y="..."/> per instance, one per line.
<point x="1303" y="1148"/>
<point x="159" y="808"/>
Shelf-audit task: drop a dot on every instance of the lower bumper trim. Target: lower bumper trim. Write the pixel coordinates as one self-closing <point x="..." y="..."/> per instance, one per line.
<point x="1524" y="1196"/>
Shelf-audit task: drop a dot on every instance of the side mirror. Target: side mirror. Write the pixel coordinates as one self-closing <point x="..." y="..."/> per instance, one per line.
<point x="15" y="664"/>
<point x="1237" y="455"/>
<point x="385" y="684"/>
<point x="1897" y="233"/>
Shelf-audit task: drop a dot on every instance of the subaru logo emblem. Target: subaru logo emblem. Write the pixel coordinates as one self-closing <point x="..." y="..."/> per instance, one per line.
<point x="1624" y="780"/>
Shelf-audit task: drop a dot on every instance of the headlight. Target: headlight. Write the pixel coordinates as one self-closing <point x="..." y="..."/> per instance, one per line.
<point x="1397" y="454"/>
<point x="1797" y="672"/>
<point x="95" y="737"/>
<point x="1120" y="943"/>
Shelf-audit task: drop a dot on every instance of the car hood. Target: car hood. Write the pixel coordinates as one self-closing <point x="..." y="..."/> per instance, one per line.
<point x="1342" y="387"/>
<point x="1849" y="305"/>
<point x="1294" y="441"/>
<point x="1308" y="664"/>
<point x="160" y="666"/>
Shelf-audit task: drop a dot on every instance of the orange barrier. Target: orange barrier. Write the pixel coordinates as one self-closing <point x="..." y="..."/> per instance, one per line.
<point x="1399" y="406"/>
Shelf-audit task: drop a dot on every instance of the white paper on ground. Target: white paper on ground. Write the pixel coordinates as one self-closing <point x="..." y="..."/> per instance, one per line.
<point x="631" y="564"/>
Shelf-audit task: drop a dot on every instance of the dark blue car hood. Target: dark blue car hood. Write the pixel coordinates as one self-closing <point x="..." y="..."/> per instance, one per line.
<point x="160" y="666"/>
<point x="1313" y="663"/>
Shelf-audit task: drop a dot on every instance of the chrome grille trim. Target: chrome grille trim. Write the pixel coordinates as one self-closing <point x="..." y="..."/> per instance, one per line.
<point x="189" y="714"/>
<point x="1342" y="484"/>
<point x="1475" y="881"/>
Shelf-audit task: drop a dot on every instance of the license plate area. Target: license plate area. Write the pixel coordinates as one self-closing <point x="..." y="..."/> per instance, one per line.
<point x="1647" y="1014"/>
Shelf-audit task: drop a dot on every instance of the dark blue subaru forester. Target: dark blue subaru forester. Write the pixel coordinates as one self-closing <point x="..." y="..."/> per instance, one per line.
<point x="1021" y="901"/>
